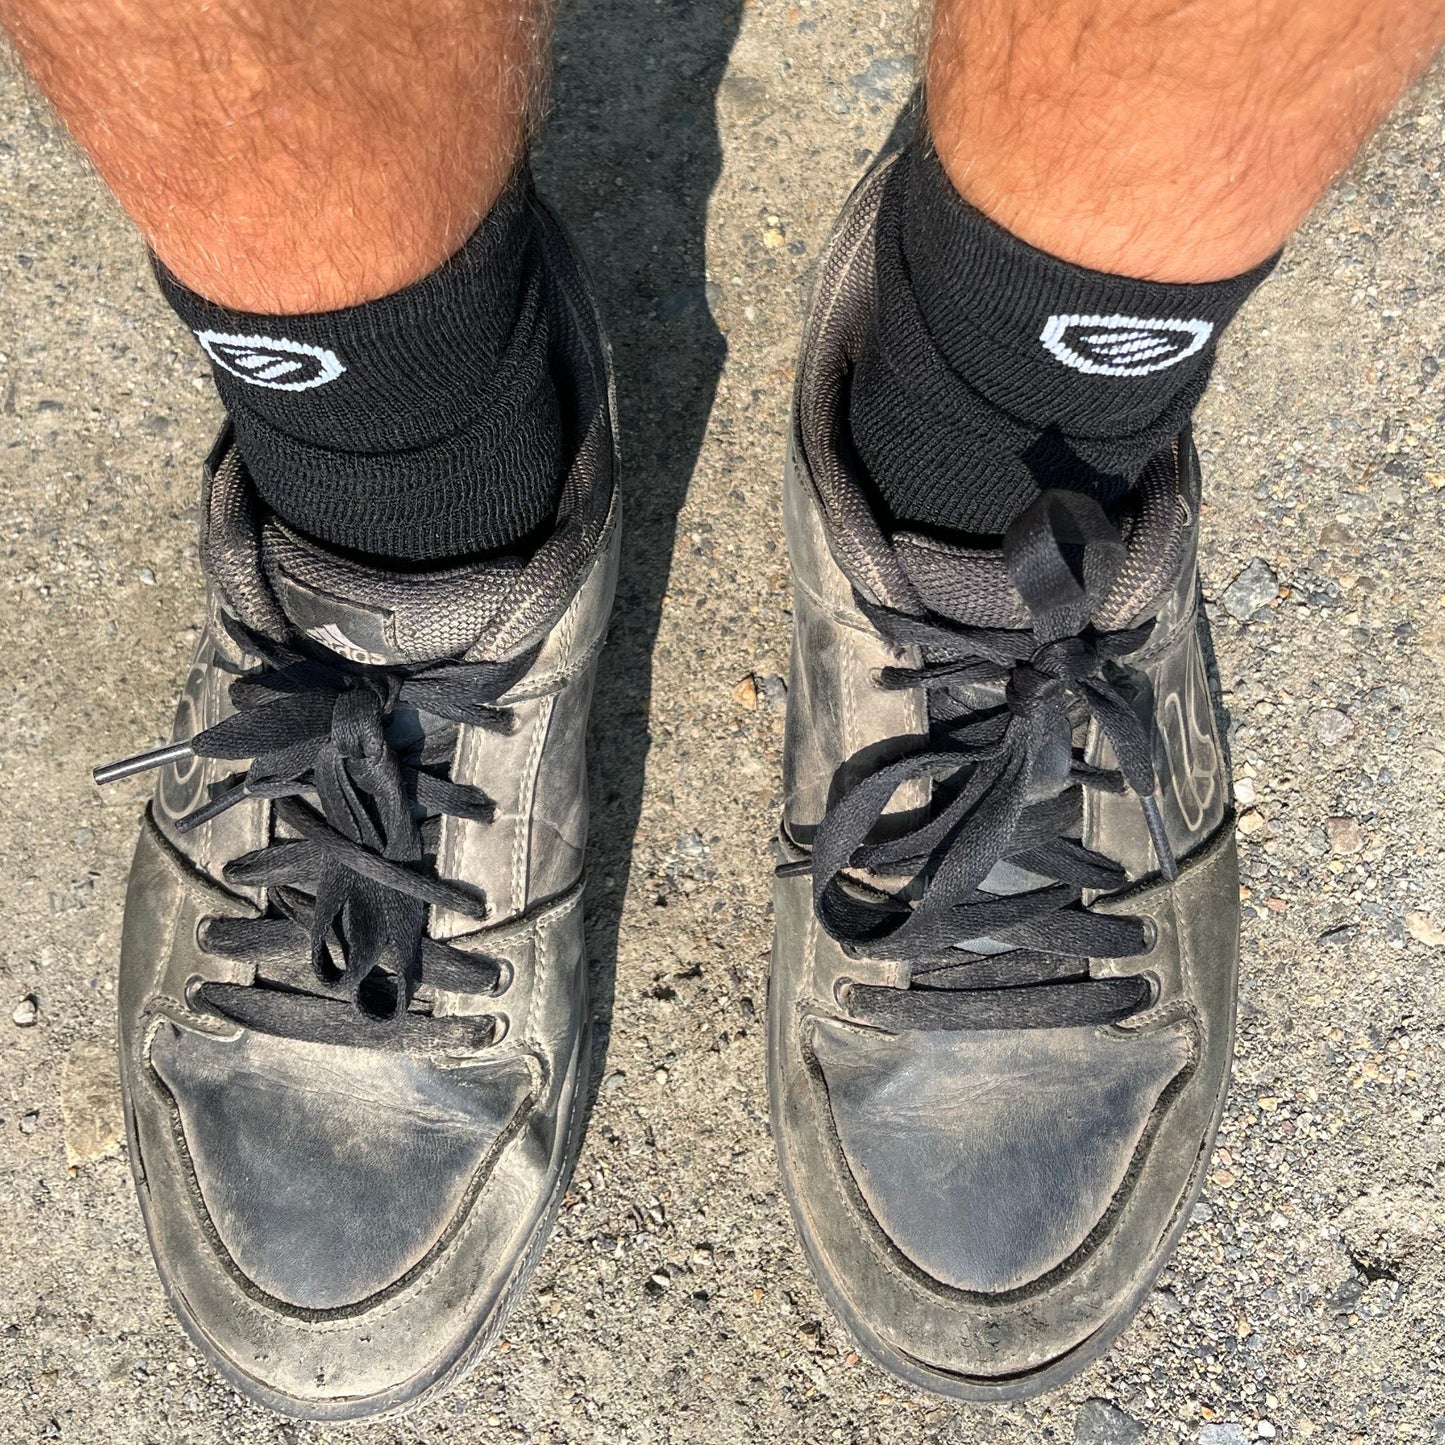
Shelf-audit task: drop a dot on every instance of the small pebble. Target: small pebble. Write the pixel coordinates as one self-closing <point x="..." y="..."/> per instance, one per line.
<point x="1166" y="1303"/>
<point x="1345" y="835"/>
<point x="745" y="693"/>
<point x="1333" y="727"/>
<point x="1219" y="1433"/>
<point x="147" y="577"/>
<point x="1244" y="793"/>
<point x="1101" y="1423"/>
<point x="1255" y="587"/>
<point x="772" y="689"/>
<point x="1420" y="926"/>
<point x="27" y="1011"/>
<point x="30" y="1121"/>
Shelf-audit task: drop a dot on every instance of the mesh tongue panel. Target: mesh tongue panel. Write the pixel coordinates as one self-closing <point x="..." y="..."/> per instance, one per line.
<point x="972" y="586"/>
<point x="371" y="615"/>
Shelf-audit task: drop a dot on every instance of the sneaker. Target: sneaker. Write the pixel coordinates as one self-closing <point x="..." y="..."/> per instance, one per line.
<point x="1001" y="1006"/>
<point x="354" y="1021"/>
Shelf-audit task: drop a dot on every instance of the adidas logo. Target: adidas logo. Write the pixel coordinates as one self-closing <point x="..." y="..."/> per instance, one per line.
<point x="1123" y="345"/>
<point x="332" y="637"/>
<point x="272" y="361"/>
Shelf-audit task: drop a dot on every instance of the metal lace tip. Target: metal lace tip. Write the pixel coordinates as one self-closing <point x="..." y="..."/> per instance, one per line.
<point x="142" y="763"/>
<point x="213" y="809"/>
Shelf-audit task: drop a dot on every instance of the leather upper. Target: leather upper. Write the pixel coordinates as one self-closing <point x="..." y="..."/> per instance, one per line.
<point x="982" y="1207"/>
<point x="344" y="1227"/>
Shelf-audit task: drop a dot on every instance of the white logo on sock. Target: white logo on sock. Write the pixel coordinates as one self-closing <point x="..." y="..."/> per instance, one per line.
<point x="272" y="361"/>
<point x="1123" y="345"/>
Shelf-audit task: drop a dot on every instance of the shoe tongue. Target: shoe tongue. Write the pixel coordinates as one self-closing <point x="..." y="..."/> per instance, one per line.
<point x="971" y="585"/>
<point x="964" y="584"/>
<point x="369" y="615"/>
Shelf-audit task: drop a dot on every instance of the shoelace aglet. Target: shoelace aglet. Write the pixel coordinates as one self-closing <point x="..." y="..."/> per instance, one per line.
<point x="213" y="809"/>
<point x="142" y="763"/>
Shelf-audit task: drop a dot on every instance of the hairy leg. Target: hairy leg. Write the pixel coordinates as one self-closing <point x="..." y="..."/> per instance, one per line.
<point x="283" y="157"/>
<point x="1176" y="140"/>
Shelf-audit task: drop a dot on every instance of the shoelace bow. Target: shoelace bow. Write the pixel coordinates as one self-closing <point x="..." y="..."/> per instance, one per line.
<point x="1008" y="790"/>
<point x="342" y="946"/>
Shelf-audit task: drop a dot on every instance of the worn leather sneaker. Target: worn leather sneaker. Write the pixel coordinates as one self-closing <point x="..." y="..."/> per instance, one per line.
<point x="1003" y="982"/>
<point x="354" y="1020"/>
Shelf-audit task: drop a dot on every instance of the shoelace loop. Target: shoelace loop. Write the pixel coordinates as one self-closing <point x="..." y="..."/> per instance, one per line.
<point x="342" y="946"/>
<point x="1007" y="789"/>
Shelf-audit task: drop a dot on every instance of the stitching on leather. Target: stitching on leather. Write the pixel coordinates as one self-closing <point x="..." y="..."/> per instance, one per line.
<point x="522" y="839"/>
<point x="361" y="1313"/>
<point x="567" y="628"/>
<point x="860" y="1220"/>
<point x="850" y="724"/>
<point x="542" y="962"/>
<point x="557" y="680"/>
<point x="854" y="621"/>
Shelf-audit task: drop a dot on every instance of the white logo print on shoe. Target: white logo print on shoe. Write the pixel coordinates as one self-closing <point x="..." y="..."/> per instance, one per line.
<point x="1123" y="345"/>
<point x="272" y="361"/>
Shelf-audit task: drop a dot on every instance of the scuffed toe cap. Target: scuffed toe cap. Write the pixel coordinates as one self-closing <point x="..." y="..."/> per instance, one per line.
<point x="328" y="1173"/>
<point x="988" y="1158"/>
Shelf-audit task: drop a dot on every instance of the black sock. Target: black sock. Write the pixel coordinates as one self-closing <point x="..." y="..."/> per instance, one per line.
<point x="420" y="427"/>
<point x="992" y="370"/>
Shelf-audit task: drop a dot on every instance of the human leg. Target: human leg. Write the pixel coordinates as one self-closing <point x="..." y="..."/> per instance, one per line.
<point x="342" y="180"/>
<point x="1103" y="159"/>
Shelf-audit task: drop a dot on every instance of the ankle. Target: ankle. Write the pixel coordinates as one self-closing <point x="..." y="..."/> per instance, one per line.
<point x="992" y="370"/>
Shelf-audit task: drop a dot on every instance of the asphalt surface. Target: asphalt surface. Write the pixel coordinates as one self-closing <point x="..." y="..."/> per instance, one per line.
<point x="701" y="153"/>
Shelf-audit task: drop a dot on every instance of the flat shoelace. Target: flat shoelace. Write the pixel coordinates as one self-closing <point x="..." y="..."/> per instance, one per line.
<point x="1008" y="790"/>
<point x="342" y="946"/>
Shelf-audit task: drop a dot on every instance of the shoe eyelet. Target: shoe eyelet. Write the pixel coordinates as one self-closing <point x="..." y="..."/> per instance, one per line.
<point x="843" y="993"/>
<point x="501" y="1027"/>
<point x="203" y="927"/>
<point x="506" y="977"/>
<point x="1151" y="934"/>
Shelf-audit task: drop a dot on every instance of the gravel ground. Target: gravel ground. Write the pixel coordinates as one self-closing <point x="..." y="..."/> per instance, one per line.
<point x="701" y="153"/>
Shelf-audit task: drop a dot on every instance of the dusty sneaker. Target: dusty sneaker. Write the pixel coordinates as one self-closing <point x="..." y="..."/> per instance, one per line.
<point x="1002" y="997"/>
<point x="354" y="1018"/>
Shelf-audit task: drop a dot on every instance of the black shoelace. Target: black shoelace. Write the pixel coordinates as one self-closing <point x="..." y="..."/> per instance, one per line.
<point x="342" y="945"/>
<point x="1008" y="789"/>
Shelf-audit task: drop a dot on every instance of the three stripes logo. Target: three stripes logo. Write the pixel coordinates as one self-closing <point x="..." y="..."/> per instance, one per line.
<point x="1123" y="345"/>
<point x="272" y="361"/>
<point x="332" y="637"/>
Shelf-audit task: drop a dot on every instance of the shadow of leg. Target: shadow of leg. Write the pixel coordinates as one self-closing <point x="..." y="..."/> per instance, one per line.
<point x="630" y="158"/>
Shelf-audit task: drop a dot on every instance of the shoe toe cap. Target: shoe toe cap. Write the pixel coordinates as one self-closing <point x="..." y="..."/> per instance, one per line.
<point x="328" y="1174"/>
<point x="989" y="1158"/>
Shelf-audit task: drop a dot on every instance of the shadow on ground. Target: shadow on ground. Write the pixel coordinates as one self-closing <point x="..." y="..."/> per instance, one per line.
<point x="630" y="157"/>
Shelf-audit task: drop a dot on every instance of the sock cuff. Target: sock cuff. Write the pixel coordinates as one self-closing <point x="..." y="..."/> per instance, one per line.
<point x="387" y="374"/>
<point x="1048" y="341"/>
